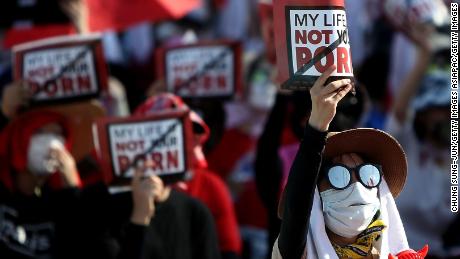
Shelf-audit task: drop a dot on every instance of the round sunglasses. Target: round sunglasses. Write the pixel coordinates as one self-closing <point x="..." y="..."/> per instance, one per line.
<point x="339" y="175"/>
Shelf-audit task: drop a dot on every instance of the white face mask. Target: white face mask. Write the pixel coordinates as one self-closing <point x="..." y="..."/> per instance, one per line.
<point x="349" y="212"/>
<point x="39" y="161"/>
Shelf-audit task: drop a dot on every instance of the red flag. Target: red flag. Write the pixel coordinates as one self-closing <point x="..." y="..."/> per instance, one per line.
<point x="119" y="14"/>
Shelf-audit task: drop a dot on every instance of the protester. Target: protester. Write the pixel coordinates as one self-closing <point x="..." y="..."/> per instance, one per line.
<point x="167" y="223"/>
<point x="204" y="184"/>
<point x="279" y="142"/>
<point x="56" y="201"/>
<point x="39" y="186"/>
<point x="356" y="183"/>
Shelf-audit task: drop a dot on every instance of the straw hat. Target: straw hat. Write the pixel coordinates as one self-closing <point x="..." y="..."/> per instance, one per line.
<point x="375" y="146"/>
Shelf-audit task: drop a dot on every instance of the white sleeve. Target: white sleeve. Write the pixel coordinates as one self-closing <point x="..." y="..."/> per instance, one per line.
<point x="277" y="255"/>
<point x="276" y="251"/>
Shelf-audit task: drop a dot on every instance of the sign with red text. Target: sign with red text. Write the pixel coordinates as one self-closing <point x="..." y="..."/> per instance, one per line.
<point x="161" y="143"/>
<point x="62" y="69"/>
<point x="202" y="70"/>
<point x="311" y="37"/>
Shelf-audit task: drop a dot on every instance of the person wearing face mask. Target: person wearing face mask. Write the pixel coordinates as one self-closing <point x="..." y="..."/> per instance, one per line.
<point x="38" y="185"/>
<point x="339" y="199"/>
<point x="420" y="120"/>
<point x="203" y="184"/>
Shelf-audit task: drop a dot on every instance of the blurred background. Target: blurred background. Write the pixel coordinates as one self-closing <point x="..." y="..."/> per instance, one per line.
<point x="401" y="61"/>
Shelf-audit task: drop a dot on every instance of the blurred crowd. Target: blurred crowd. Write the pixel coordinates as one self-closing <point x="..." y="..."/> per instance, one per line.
<point x="243" y="147"/>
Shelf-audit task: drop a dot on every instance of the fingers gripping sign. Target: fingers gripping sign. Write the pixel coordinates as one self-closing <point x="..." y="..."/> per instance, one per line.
<point x="146" y="191"/>
<point x="325" y="99"/>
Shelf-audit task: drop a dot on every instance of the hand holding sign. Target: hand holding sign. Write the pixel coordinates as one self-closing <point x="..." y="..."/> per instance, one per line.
<point x="62" y="68"/>
<point x="161" y="143"/>
<point x="66" y="166"/>
<point x="15" y="96"/>
<point x="146" y="190"/>
<point x="325" y="99"/>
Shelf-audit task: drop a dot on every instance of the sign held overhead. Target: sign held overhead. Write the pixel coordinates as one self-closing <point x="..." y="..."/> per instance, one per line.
<point x="310" y="37"/>
<point x="62" y="69"/>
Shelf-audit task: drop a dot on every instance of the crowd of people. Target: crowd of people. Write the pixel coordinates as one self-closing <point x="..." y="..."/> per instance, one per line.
<point x="266" y="179"/>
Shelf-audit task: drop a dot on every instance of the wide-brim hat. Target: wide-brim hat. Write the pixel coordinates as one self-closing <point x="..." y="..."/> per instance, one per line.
<point x="375" y="146"/>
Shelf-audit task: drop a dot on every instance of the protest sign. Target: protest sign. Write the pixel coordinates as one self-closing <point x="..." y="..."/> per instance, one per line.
<point x="62" y="68"/>
<point x="201" y="70"/>
<point x="162" y="139"/>
<point x="404" y="15"/>
<point x="311" y="36"/>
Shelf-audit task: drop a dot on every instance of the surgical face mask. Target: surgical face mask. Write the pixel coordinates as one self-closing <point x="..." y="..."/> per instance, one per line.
<point x="39" y="161"/>
<point x="348" y="212"/>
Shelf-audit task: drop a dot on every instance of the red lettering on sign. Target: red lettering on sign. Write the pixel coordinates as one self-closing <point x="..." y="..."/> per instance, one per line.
<point x="301" y="36"/>
<point x="303" y="56"/>
<point x="123" y="163"/>
<point x="41" y="72"/>
<point x="172" y="159"/>
<point x="34" y="86"/>
<point x="207" y="82"/>
<point x="167" y="161"/>
<point x="315" y="37"/>
<point x="342" y="60"/>
<point x="221" y="81"/>
<point x="67" y="86"/>
<point x="157" y="159"/>
<point x="84" y="84"/>
<point x="329" y="60"/>
<point x="132" y="146"/>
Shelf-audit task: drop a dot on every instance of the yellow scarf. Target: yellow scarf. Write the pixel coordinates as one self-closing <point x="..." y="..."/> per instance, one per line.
<point x="364" y="243"/>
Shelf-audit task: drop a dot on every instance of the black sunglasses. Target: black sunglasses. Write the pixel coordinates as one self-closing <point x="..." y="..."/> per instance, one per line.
<point x="339" y="175"/>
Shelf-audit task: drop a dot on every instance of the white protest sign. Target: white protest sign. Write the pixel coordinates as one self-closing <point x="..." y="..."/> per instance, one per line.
<point x="62" y="68"/>
<point x="161" y="142"/>
<point x="310" y="32"/>
<point x="201" y="71"/>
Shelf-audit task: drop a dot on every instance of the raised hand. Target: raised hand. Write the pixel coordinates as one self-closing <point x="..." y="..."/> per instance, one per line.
<point x="146" y="191"/>
<point x="325" y="99"/>
<point x="15" y="95"/>
<point x="65" y="165"/>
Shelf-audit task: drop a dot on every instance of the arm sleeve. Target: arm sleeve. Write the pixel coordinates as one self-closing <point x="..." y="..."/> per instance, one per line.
<point x="300" y="189"/>
<point x="267" y="162"/>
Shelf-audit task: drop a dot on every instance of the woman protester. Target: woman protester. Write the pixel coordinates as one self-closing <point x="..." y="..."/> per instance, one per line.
<point x="339" y="199"/>
<point x="203" y="184"/>
<point x="39" y="186"/>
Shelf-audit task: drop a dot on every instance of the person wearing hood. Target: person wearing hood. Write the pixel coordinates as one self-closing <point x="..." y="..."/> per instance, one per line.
<point x="39" y="185"/>
<point x="203" y="184"/>
<point x="339" y="199"/>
